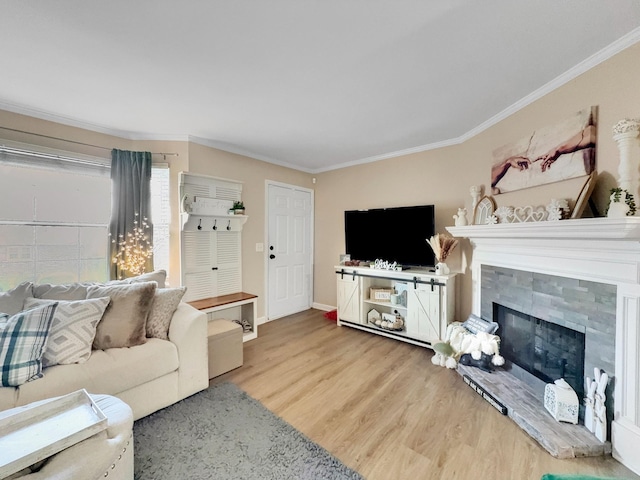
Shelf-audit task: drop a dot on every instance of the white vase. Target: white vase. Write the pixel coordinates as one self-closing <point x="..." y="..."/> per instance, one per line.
<point x="618" y="210"/>
<point x="442" y="268"/>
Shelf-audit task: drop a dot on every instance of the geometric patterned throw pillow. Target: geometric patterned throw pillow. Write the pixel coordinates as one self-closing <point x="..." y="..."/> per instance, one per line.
<point x="73" y="329"/>
<point x="165" y="303"/>
<point x="22" y="340"/>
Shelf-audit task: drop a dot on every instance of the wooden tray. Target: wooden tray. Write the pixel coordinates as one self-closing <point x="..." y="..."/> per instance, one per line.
<point x="33" y="434"/>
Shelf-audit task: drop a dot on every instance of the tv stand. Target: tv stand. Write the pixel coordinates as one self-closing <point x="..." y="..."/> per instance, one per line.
<point x="428" y="310"/>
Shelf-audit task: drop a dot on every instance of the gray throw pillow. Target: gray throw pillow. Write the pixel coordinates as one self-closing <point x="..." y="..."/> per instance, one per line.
<point x="476" y="324"/>
<point x="164" y="304"/>
<point x="11" y="302"/>
<point x="158" y="276"/>
<point x="125" y="319"/>
<point x="71" y="291"/>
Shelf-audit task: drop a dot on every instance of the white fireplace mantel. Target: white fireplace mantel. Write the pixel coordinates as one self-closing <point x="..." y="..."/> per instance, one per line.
<point x="605" y="250"/>
<point x="585" y="228"/>
<point x="597" y="249"/>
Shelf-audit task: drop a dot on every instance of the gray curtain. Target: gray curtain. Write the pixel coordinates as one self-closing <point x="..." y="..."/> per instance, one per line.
<point x="130" y="195"/>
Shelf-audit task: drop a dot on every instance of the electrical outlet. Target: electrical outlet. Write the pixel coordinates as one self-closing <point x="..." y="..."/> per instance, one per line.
<point x="259" y="247"/>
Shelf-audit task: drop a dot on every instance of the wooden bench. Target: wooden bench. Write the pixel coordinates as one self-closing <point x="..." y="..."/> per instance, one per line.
<point x="235" y="306"/>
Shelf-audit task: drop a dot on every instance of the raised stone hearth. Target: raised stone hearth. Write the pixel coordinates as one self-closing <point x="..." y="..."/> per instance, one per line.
<point x="524" y="406"/>
<point x="579" y="305"/>
<point x="601" y="250"/>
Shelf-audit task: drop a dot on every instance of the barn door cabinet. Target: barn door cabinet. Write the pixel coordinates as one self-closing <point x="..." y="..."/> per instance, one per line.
<point x="424" y="301"/>
<point x="349" y="298"/>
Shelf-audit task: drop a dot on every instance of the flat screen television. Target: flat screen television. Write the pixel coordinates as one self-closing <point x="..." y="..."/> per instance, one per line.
<point x="396" y="234"/>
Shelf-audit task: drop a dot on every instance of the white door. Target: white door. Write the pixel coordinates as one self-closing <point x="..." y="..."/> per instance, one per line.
<point x="289" y="252"/>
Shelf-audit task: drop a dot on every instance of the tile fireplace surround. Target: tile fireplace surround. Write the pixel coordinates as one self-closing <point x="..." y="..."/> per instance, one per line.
<point x="603" y="250"/>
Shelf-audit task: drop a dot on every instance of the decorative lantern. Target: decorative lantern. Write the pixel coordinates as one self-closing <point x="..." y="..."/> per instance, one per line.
<point x="561" y="401"/>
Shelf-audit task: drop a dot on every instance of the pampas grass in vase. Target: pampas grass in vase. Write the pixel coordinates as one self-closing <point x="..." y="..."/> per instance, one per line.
<point x="442" y="245"/>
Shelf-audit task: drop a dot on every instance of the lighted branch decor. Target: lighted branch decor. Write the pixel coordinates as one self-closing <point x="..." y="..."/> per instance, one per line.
<point x="442" y="245"/>
<point x="134" y="249"/>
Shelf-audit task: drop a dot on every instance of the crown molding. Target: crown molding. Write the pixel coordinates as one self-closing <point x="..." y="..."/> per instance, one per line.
<point x="230" y="148"/>
<point x="395" y="154"/>
<point x="614" y="48"/>
<point x="597" y="58"/>
<point x="68" y="121"/>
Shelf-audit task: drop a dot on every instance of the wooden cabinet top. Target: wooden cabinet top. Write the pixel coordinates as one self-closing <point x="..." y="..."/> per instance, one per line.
<point x="213" y="302"/>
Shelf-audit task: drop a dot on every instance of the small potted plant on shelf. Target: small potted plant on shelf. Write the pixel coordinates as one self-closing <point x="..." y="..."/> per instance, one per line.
<point x="238" y="207"/>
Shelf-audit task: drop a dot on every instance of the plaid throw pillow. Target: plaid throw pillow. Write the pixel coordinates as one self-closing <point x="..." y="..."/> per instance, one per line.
<point x="22" y="340"/>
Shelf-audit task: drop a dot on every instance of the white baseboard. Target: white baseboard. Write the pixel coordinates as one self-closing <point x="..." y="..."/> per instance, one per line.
<point x="318" y="306"/>
<point x="625" y="439"/>
<point x="321" y="306"/>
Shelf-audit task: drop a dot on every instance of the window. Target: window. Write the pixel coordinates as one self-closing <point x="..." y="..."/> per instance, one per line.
<point x="161" y="215"/>
<point x="53" y="221"/>
<point x="54" y="217"/>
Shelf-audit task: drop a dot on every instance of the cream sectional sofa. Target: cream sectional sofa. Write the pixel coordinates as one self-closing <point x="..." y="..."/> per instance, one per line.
<point x="148" y="377"/>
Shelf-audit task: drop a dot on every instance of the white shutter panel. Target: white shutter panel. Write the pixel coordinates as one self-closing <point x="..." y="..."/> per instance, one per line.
<point x="198" y="256"/>
<point x="229" y="262"/>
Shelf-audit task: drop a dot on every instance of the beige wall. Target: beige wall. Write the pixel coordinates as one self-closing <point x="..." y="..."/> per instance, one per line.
<point x="441" y="177"/>
<point x="421" y="179"/>
<point x="41" y="130"/>
<point x="253" y="174"/>
<point x="190" y="157"/>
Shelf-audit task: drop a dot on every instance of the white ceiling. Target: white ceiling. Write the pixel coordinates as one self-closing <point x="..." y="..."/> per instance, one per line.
<point x="312" y="84"/>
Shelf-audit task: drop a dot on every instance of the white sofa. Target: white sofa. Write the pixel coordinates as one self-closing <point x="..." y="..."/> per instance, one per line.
<point x="147" y="377"/>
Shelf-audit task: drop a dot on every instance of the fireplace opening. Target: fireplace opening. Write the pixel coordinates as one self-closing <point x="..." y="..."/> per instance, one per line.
<point x="543" y="349"/>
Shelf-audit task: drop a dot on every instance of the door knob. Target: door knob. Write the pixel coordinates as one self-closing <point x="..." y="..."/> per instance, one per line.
<point x="272" y="256"/>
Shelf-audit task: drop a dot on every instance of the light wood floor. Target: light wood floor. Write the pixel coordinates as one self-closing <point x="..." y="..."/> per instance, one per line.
<point x="386" y="411"/>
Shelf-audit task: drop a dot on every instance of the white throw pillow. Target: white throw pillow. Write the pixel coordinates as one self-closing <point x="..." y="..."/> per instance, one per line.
<point x="72" y="331"/>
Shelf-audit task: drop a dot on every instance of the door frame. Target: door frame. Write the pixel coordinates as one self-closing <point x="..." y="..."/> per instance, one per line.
<point x="269" y="183"/>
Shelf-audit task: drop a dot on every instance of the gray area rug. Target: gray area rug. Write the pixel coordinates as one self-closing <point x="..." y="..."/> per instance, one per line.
<point x="223" y="433"/>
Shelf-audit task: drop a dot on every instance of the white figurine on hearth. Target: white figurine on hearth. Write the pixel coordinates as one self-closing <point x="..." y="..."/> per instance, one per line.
<point x="561" y="401"/>
<point x="599" y="409"/>
<point x="589" y="403"/>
